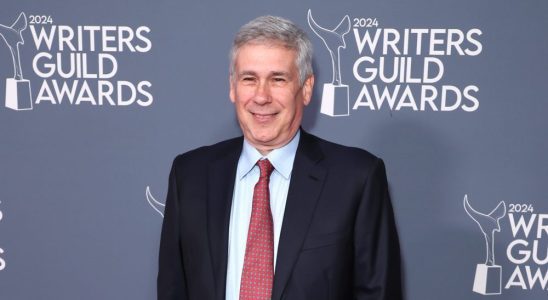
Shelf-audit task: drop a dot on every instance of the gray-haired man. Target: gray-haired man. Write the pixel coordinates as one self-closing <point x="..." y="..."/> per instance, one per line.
<point x="277" y="213"/>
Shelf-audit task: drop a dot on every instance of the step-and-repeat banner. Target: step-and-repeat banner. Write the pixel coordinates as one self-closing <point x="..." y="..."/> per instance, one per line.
<point x="98" y="97"/>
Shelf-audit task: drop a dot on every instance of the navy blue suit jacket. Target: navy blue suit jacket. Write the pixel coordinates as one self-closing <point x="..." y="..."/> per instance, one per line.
<point x="338" y="238"/>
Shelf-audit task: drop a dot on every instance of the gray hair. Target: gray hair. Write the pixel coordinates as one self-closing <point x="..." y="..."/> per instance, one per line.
<point x="268" y="29"/>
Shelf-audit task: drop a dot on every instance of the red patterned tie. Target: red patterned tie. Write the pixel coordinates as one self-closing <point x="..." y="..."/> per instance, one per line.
<point x="258" y="271"/>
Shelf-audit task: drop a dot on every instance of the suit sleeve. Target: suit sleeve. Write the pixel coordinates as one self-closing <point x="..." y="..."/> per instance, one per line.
<point x="171" y="282"/>
<point x="377" y="264"/>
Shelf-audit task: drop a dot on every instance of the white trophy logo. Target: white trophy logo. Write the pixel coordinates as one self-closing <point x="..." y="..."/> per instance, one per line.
<point x="488" y="279"/>
<point x="335" y="94"/>
<point x="18" y="95"/>
<point x="156" y="205"/>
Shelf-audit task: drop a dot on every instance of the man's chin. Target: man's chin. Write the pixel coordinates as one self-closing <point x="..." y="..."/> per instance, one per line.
<point x="262" y="138"/>
<point x="270" y="141"/>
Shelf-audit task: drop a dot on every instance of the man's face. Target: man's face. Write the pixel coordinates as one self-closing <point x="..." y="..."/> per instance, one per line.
<point x="267" y="94"/>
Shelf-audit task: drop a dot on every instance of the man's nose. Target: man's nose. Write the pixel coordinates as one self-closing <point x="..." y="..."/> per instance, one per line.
<point x="262" y="93"/>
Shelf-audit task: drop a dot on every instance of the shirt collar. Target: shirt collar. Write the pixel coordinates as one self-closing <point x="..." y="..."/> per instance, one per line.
<point x="281" y="158"/>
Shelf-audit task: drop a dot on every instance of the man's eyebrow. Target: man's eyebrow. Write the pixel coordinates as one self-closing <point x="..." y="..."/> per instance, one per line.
<point x="244" y="73"/>
<point x="280" y="73"/>
<point x="272" y="74"/>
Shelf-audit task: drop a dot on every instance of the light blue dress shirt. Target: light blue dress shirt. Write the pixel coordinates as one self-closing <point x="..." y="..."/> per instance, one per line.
<point x="247" y="175"/>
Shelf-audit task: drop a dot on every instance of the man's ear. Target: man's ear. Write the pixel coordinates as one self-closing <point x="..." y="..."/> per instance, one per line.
<point x="231" y="89"/>
<point x="308" y="86"/>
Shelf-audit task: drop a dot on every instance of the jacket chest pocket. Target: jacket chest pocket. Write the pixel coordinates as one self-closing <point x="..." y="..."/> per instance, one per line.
<point x="315" y="241"/>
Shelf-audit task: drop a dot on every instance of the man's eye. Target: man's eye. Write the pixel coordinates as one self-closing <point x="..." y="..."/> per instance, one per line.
<point x="279" y="79"/>
<point x="248" y="79"/>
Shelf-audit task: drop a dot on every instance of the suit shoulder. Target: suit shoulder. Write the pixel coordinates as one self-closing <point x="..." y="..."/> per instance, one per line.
<point x="334" y="151"/>
<point x="351" y="162"/>
<point x="205" y="154"/>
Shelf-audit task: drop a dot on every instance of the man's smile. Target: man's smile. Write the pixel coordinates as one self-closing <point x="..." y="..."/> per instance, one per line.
<point x="263" y="117"/>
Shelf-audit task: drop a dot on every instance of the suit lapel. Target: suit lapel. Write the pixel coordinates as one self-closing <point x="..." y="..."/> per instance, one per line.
<point x="221" y="176"/>
<point x="307" y="180"/>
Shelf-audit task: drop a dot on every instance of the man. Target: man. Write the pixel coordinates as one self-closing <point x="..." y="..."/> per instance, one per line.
<point x="279" y="213"/>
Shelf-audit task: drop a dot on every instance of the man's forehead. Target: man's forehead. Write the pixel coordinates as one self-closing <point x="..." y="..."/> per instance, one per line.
<point x="258" y="47"/>
<point x="270" y="44"/>
<point x="267" y="42"/>
<point x="256" y="59"/>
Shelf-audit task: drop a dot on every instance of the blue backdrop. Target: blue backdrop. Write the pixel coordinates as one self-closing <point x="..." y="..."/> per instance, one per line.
<point x="451" y="94"/>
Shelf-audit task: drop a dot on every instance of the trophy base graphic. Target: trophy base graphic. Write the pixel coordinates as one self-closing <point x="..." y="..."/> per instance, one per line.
<point x="335" y="100"/>
<point x="488" y="280"/>
<point x="18" y="96"/>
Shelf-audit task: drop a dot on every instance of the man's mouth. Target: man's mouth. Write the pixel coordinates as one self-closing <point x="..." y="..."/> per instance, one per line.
<point x="264" y="117"/>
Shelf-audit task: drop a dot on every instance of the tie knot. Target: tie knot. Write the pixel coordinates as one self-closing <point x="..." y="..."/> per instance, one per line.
<point x="266" y="168"/>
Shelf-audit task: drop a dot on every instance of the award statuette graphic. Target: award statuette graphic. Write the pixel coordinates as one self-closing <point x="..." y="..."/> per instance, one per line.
<point x="18" y="95"/>
<point x="156" y="205"/>
<point x="488" y="279"/>
<point x="335" y="94"/>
